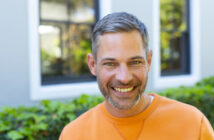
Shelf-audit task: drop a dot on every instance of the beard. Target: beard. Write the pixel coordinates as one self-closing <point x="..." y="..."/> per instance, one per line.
<point x="123" y="103"/>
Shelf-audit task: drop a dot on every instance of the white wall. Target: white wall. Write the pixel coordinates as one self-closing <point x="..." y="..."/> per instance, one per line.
<point x="207" y="38"/>
<point x="14" y="73"/>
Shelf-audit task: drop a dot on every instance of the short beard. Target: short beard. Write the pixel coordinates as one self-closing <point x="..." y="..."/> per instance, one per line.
<point x="122" y="107"/>
<point x="117" y="105"/>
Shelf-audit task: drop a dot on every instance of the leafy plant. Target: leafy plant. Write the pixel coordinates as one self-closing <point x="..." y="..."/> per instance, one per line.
<point x="44" y="122"/>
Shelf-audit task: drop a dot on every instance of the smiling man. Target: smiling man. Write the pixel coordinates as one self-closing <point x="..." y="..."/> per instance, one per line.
<point x="121" y="68"/>
<point x="121" y="62"/>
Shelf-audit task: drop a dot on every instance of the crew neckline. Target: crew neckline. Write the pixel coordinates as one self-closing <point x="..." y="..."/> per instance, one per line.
<point x="141" y="116"/>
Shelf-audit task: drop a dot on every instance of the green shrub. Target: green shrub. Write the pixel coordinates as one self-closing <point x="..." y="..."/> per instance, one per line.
<point x="45" y="122"/>
<point x="206" y="82"/>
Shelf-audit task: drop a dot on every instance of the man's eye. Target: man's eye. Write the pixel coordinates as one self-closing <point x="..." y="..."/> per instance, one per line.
<point x="136" y="62"/>
<point x="109" y="64"/>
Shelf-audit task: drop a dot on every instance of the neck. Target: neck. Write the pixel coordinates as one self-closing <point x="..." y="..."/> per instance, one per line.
<point x="141" y="106"/>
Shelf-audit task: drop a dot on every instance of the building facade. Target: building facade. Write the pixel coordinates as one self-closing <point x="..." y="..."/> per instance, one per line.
<point x="22" y="82"/>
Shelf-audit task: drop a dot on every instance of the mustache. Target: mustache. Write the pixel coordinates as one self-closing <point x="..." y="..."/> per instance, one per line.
<point x="120" y="84"/>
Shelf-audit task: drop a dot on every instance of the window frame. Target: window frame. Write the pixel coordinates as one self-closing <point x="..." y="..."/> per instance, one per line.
<point x="161" y="82"/>
<point x="184" y="47"/>
<point x="39" y="91"/>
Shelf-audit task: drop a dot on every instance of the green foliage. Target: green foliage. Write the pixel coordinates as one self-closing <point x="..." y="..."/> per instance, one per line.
<point x="78" y="60"/>
<point x="50" y="64"/>
<point x="207" y="82"/>
<point x="46" y="121"/>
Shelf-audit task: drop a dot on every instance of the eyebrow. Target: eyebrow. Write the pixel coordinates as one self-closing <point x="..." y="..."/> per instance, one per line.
<point x="137" y="57"/>
<point x="113" y="59"/>
<point x="108" y="59"/>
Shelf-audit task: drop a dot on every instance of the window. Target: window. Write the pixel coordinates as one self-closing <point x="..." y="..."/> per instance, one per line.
<point x="174" y="37"/>
<point x="176" y="43"/>
<point x="48" y="89"/>
<point x="65" y="29"/>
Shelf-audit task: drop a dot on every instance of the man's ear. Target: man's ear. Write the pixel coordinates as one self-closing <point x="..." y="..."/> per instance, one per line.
<point x="149" y="59"/>
<point x="91" y="64"/>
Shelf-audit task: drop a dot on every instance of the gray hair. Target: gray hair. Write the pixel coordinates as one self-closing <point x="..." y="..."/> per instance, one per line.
<point x="118" y="22"/>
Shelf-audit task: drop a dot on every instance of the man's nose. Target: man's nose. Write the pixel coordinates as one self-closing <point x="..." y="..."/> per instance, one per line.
<point x="123" y="74"/>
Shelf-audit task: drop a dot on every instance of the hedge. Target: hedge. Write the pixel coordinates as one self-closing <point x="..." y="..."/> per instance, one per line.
<point x="45" y="122"/>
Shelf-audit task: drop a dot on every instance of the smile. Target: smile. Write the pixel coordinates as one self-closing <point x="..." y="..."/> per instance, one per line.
<point x="124" y="89"/>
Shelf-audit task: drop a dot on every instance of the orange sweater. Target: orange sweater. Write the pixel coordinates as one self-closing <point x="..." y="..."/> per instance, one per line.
<point x="164" y="119"/>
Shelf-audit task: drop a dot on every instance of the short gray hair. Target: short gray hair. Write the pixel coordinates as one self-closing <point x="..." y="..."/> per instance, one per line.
<point x="118" y="22"/>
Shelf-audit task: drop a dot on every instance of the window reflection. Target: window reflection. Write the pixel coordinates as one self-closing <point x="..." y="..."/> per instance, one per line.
<point x="174" y="37"/>
<point x="65" y="28"/>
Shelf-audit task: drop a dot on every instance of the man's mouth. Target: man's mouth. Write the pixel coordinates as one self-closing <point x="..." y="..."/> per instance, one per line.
<point x="123" y="90"/>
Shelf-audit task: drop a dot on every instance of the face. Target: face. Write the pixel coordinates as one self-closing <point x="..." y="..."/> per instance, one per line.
<point x="121" y="68"/>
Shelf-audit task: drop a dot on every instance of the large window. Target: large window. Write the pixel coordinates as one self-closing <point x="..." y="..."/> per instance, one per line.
<point x="65" y="32"/>
<point x="174" y="37"/>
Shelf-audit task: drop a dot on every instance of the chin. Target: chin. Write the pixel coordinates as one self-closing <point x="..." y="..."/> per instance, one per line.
<point x="124" y="104"/>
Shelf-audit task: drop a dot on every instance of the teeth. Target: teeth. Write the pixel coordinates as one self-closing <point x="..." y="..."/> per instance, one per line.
<point x="124" y="89"/>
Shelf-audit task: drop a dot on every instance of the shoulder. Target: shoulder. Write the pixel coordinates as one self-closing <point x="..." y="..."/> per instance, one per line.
<point x="182" y="116"/>
<point x="83" y="122"/>
<point x="172" y="109"/>
<point x="178" y="106"/>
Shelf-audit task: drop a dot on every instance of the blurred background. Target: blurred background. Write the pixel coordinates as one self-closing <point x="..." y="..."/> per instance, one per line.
<point x="44" y="45"/>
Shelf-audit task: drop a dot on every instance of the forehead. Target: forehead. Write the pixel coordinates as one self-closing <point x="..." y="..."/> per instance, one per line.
<point x="122" y="45"/>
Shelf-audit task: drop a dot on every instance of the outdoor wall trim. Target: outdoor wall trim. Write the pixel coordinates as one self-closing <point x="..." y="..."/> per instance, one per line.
<point x="161" y="82"/>
<point x="37" y="91"/>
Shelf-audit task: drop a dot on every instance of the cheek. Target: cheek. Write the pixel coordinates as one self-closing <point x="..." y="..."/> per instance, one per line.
<point x="104" y="76"/>
<point x="141" y="74"/>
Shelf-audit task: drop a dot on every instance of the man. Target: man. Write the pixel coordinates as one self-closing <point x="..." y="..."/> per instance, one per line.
<point x="121" y="61"/>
